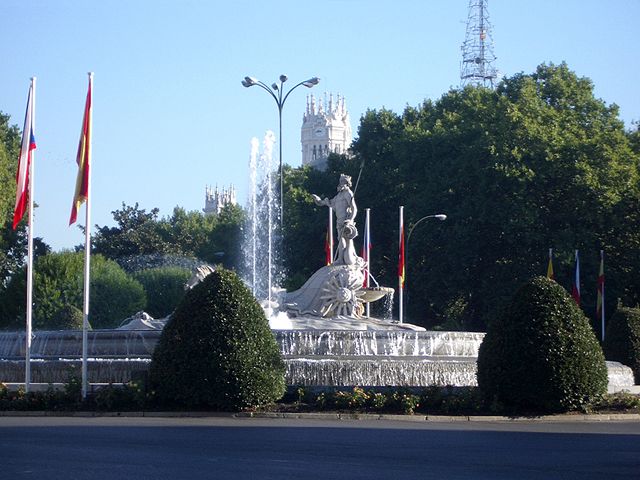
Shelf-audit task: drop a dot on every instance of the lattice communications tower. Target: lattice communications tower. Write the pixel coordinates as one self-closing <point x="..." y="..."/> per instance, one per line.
<point x="477" y="50"/>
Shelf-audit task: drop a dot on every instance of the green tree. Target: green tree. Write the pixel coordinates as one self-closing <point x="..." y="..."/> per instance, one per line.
<point x="537" y="163"/>
<point x="58" y="284"/>
<point x="138" y="233"/>
<point x="164" y="288"/>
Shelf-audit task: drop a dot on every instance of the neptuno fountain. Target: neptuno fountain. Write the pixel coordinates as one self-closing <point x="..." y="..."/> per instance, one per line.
<point x="325" y="337"/>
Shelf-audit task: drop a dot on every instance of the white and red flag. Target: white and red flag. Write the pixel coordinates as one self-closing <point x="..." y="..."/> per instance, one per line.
<point x="24" y="161"/>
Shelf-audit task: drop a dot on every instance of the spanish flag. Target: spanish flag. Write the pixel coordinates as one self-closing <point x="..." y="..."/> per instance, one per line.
<point x="327" y="247"/>
<point x="550" y="274"/>
<point x="83" y="159"/>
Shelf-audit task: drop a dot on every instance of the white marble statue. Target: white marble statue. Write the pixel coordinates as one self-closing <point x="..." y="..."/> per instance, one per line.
<point x="344" y="206"/>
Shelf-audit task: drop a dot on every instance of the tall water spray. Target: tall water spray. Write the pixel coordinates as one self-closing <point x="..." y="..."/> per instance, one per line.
<point x="260" y="243"/>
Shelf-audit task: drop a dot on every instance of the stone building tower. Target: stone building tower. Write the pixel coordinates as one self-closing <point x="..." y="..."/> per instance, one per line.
<point x="326" y="128"/>
<point x="215" y="200"/>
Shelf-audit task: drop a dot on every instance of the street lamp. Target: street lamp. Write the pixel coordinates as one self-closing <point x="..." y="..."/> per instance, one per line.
<point x="280" y="97"/>
<point x="439" y="216"/>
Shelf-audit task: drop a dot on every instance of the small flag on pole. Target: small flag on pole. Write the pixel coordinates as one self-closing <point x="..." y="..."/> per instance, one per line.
<point x="327" y="248"/>
<point x="24" y="161"/>
<point x="83" y="159"/>
<point x="550" y="274"/>
<point x="575" y="289"/>
<point x="600" y="300"/>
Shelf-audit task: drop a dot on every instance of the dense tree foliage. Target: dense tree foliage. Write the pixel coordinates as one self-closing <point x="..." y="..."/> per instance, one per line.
<point x="164" y="287"/>
<point x="541" y="353"/>
<point x="537" y="163"/>
<point x="217" y="350"/>
<point x="209" y="238"/>
<point x="58" y="284"/>
<point x="622" y="339"/>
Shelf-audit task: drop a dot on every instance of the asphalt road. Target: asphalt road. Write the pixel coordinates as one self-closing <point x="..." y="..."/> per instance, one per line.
<point x="51" y="448"/>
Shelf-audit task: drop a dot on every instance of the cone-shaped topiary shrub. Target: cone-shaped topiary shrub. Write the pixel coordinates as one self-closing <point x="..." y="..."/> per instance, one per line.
<point x="541" y="353"/>
<point x="622" y="339"/>
<point x="217" y="350"/>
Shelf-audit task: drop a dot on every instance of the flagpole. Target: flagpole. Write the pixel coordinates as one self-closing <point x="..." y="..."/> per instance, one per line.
<point x="602" y="305"/>
<point x="331" y="233"/>
<point x="87" y="253"/>
<point x="29" y="315"/>
<point x="400" y="276"/>
<point x="367" y="249"/>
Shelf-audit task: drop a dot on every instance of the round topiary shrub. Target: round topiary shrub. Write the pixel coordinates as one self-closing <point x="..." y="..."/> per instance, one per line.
<point x="622" y="339"/>
<point x="541" y="353"/>
<point x="217" y="350"/>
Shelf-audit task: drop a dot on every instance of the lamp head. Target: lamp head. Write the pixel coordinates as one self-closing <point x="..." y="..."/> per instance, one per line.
<point x="441" y="216"/>
<point x="311" y="82"/>
<point x="249" y="82"/>
<point x="274" y="86"/>
<point x="283" y="78"/>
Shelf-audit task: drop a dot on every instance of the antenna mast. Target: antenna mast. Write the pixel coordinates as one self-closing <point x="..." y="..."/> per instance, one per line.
<point x="477" y="49"/>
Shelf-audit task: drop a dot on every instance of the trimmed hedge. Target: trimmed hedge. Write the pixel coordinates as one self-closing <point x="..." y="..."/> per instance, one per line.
<point x="541" y="354"/>
<point x="622" y="339"/>
<point x="217" y="350"/>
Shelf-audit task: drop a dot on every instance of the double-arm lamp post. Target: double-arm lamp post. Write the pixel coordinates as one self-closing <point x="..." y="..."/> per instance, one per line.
<point x="439" y="216"/>
<point x="277" y="92"/>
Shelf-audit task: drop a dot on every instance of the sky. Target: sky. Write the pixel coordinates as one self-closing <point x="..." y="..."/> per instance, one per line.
<point x="170" y="115"/>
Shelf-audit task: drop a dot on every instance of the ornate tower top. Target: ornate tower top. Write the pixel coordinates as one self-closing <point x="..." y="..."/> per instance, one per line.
<point x="326" y="128"/>
<point x="215" y="200"/>
<point x="477" y="50"/>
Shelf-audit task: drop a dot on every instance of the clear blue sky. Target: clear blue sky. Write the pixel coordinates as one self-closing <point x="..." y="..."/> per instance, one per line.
<point x="170" y="115"/>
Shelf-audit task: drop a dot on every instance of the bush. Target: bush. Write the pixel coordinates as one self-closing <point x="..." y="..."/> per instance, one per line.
<point x="622" y="339"/>
<point x="164" y="287"/>
<point x="67" y="318"/>
<point x="217" y="350"/>
<point x="58" y="283"/>
<point x="541" y="354"/>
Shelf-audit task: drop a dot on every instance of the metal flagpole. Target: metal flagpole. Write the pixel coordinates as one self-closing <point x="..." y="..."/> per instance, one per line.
<point x="400" y="275"/>
<point x="331" y="232"/>
<point x="602" y="305"/>
<point x="87" y="248"/>
<point x="29" y="316"/>
<point x="367" y="242"/>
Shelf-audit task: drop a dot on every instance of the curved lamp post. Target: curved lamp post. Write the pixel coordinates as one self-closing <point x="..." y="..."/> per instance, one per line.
<point x="439" y="216"/>
<point x="277" y="93"/>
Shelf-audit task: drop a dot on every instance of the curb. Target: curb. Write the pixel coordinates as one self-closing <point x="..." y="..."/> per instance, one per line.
<point x="573" y="418"/>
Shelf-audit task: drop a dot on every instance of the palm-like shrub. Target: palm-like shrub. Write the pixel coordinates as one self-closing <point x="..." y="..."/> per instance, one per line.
<point x="541" y="353"/>
<point x="622" y="339"/>
<point x="217" y="350"/>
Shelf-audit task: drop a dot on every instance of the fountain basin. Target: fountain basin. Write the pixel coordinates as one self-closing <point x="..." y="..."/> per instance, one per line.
<point x="312" y="357"/>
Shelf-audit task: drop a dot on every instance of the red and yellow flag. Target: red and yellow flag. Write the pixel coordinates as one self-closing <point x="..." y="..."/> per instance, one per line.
<point x="550" y="274"/>
<point x="327" y="247"/>
<point x="83" y="159"/>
